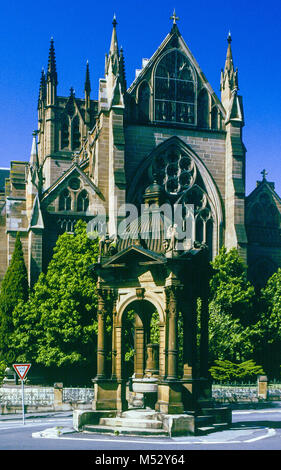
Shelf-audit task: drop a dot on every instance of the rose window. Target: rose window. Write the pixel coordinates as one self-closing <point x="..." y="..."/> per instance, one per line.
<point x="175" y="171"/>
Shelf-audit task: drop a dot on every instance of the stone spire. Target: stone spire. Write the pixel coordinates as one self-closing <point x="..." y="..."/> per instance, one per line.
<point x="87" y="86"/>
<point x="87" y="89"/>
<point x="114" y="43"/>
<point x="52" y="68"/>
<point x="229" y="59"/>
<point x="229" y="76"/>
<point x="52" y="78"/>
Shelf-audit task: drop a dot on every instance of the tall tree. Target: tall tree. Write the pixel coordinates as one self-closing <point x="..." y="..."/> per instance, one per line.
<point x="14" y="288"/>
<point x="57" y="327"/>
<point x="231" y="309"/>
<point x="269" y="347"/>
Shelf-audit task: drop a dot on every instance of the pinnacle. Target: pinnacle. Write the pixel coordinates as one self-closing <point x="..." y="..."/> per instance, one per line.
<point x="52" y="69"/>
<point x="87" y="79"/>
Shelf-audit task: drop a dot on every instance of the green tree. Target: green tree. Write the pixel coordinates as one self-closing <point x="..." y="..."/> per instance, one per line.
<point x="14" y="288"/>
<point x="227" y="371"/>
<point x="230" y="290"/>
<point x="57" y="326"/>
<point x="232" y="309"/>
<point x="269" y="346"/>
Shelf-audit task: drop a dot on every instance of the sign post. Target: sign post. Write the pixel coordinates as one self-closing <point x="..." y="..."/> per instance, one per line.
<point x="21" y="370"/>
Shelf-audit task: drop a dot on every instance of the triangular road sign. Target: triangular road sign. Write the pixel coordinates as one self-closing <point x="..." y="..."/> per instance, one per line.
<point x="21" y="370"/>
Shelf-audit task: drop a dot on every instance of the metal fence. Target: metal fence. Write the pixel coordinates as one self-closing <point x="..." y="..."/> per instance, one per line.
<point x="35" y="396"/>
<point x="77" y="395"/>
<point x="43" y="396"/>
<point x="244" y="392"/>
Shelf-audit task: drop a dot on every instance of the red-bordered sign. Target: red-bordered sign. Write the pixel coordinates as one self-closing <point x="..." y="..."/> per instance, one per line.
<point x="21" y="370"/>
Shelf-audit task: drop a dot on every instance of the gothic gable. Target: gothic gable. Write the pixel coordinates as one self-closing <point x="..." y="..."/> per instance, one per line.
<point x="263" y="215"/>
<point x="73" y="192"/>
<point x="172" y="89"/>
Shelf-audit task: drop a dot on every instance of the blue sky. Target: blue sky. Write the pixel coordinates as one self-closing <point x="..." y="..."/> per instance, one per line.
<point x="82" y="31"/>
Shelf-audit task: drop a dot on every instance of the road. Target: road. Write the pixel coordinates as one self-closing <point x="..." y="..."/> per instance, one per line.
<point x="258" y="430"/>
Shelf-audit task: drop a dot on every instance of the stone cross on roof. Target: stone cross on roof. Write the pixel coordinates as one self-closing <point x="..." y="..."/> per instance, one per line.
<point x="174" y="17"/>
<point x="264" y="173"/>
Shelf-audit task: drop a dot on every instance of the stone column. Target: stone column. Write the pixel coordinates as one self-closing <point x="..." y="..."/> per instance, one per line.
<point x="172" y="319"/>
<point x="139" y="348"/>
<point x="189" y="332"/>
<point x="262" y="387"/>
<point x="105" y="388"/>
<point x="101" y="334"/>
<point x="170" y="388"/>
<point x="58" y="395"/>
<point x="114" y="346"/>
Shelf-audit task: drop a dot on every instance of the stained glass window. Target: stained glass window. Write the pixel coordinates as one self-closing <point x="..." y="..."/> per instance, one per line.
<point x="174" y="89"/>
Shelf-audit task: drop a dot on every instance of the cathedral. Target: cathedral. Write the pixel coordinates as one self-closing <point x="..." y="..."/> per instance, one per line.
<point x="167" y="137"/>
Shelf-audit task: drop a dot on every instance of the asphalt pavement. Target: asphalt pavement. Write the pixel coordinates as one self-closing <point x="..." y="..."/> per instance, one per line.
<point x="252" y="430"/>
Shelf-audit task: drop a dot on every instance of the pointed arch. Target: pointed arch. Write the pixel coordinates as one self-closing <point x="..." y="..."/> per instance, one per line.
<point x="65" y="200"/>
<point x="190" y="173"/>
<point x="82" y="201"/>
<point x="175" y="89"/>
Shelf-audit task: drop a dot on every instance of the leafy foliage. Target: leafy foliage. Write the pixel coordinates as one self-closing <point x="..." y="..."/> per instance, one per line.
<point x="227" y="371"/>
<point x="14" y="288"/>
<point x="230" y="290"/>
<point x="58" y="325"/>
<point x="269" y="344"/>
<point x="232" y="326"/>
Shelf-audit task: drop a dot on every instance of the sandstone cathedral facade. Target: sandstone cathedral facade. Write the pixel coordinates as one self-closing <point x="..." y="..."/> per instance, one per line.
<point x="165" y="138"/>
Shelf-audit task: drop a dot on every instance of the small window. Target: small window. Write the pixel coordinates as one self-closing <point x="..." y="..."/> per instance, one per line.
<point x="65" y="201"/>
<point x="83" y="201"/>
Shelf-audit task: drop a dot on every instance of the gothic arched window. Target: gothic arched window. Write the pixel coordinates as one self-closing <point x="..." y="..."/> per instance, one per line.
<point x="65" y="201"/>
<point x="144" y="98"/>
<point x="174" y="89"/>
<point x="76" y="134"/>
<point x="203" y="109"/>
<point x="82" y="201"/>
<point x="64" y="132"/>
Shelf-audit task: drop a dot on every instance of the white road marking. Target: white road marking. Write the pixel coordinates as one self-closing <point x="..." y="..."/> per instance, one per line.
<point x="270" y="433"/>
